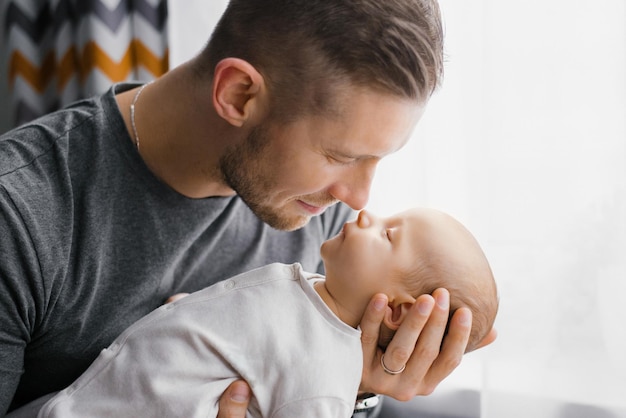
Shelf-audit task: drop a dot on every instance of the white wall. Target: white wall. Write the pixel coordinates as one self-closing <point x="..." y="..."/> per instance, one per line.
<point x="190" y="25"/>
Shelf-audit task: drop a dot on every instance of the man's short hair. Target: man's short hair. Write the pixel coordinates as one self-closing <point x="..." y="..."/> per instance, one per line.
<point x="306" y="48"/>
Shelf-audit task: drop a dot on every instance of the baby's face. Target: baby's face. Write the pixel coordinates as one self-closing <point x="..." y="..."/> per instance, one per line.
<point x="361" y="259"/>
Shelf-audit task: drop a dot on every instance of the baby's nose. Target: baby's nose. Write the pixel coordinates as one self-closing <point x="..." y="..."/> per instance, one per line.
<point x="364" y="220"/>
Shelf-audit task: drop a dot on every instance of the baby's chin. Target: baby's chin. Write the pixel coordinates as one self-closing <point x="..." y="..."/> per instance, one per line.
<point x="385" y="336"/>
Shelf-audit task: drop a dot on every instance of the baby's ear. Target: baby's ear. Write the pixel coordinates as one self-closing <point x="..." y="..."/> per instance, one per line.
<point x="397" y="313"/>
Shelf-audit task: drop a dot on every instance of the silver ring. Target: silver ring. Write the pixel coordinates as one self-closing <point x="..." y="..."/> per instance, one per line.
<point x="388" y="371"/>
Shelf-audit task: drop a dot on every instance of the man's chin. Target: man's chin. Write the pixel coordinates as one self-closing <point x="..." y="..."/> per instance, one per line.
<point x="282" y="222"/>
<point x="291" y="224"/>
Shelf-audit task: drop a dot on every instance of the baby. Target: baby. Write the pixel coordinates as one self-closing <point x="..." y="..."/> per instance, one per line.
<point x="290" y="334"/>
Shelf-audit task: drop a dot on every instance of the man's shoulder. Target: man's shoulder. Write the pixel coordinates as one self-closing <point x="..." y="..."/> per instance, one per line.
<point x="26" y="145"/>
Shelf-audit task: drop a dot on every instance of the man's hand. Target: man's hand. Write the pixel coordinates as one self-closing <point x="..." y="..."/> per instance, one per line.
<point x="234" y="401"/>
<point x="417" y="345"/>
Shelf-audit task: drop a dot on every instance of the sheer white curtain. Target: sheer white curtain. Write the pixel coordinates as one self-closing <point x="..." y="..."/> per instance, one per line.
<point x="526" y="144"/>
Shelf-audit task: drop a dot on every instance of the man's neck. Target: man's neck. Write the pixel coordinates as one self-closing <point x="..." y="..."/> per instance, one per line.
<point x="182" y="138"/>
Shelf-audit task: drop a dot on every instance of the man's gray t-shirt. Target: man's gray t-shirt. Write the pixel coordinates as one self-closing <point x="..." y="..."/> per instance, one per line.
<point x="91" y="241"/>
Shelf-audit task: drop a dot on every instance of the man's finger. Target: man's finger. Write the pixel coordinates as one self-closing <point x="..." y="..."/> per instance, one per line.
<point x="402" y="346"/>
<point x="370" y="330"/>
<point x="453" y="347"/>
<point x="370" y="323"/>
<point x="234" y="401"/>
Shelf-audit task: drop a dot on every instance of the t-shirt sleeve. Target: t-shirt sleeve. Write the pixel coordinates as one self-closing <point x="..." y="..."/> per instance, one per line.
<point x="20" y="287"/>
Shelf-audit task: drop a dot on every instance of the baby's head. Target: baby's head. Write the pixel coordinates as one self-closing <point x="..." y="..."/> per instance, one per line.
<point x="404" y="256"/>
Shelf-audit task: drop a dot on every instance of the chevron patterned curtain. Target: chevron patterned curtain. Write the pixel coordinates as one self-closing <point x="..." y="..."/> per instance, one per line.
<point x="59" y="51"/>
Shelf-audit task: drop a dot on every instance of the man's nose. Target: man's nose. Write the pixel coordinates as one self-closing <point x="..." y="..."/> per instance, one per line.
<point x="354" y="188"/>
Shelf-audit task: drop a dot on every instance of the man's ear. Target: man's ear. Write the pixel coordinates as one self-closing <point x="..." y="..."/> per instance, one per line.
<point x="399" y="309"/>
<point x="237" y="87"/>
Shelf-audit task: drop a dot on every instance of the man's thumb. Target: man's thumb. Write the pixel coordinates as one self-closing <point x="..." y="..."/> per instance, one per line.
<point x="234" y="401"/>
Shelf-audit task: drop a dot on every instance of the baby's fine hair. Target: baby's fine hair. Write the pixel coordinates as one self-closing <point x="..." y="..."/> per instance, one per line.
<point x="469" y="279"/>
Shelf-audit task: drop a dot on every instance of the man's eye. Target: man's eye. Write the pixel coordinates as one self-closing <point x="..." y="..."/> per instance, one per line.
<point x="340" y="160"/>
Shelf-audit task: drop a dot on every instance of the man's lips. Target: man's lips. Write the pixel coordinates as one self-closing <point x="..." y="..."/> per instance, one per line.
<point x="312" y="209"/>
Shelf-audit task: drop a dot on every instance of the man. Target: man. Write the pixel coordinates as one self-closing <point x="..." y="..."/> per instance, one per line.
<point x="114" y="204"/>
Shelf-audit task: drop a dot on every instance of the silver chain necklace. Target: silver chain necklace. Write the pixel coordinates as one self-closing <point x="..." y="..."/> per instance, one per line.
<point x="132" y="114"/>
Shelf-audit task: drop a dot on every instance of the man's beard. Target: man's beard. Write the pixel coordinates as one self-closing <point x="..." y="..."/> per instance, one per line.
<point x="244" y="168"/>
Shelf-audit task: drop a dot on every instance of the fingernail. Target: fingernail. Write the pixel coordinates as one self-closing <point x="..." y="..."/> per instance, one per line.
<point x="240" y="393"/>
<point x="425" y="307"/>
<point x="379" y="304"/>
<point x="443" y="300"/>
<point x="465" y="317"/>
